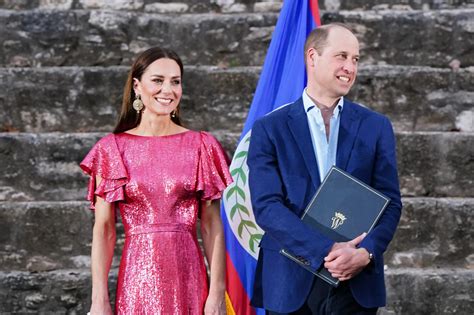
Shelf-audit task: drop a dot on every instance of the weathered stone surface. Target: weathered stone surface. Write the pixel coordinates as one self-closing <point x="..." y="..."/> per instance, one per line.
<point x="72" y="99"/>
<point x="55" y="292"/>
<point x="44" y="236"/>
<point x="112" y="4"/>
<point x="89" y="99"/>
<point x="418" y="98"/>
<point x="268" y="6"/>
<point x="167" y="8"/>
<point x="19" y="4"/>
<point x="431" y="38"/>
<point x="58" y="38"/>
<point x="436" y="164"/>
<point x="56" y="4"/>
<point x="58" y="99"/>
<point x="193" y="6"/>
<point x="45" y="166"/>
<point x="410" y="291"/>
<point x="78" y="37"/>
<point x="42" y="166"/>
<point x="391" y="4"/>
<point x="222" y="5"/>
<point x="434" y="232"/>
<point x="429" y="291"/>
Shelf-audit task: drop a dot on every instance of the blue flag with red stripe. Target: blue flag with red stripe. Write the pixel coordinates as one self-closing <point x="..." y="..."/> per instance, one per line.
<point x="282" y="81"/>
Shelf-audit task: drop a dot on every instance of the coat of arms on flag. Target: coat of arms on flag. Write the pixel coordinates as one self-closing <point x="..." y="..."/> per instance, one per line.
<point x="237" y="201"/>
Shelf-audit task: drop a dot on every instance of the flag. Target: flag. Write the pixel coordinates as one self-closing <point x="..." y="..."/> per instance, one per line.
<point x="282" y="81"/>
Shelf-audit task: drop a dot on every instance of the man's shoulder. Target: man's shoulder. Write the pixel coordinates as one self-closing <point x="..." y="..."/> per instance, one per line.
<point x="278" y="114"/>
<point x="363" y="111"/>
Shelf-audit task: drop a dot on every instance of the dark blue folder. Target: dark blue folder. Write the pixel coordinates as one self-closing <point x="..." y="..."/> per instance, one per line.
<point x="342" y="209"/>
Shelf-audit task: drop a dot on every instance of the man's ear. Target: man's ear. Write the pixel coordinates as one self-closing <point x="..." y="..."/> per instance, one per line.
<point x="311" y="54"/>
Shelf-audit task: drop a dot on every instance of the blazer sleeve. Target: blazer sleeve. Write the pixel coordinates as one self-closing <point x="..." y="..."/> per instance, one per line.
<point x="384" y="179"/>
<point x="278" y="221"/>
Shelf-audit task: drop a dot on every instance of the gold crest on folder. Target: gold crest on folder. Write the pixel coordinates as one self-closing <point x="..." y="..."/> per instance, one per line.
<point x="337" y="220"/>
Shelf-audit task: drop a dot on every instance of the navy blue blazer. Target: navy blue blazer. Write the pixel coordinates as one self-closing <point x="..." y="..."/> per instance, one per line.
<point x="283" y="177"/>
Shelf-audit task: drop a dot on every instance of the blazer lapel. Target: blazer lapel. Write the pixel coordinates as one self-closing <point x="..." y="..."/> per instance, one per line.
<point x="348" y="128"/>
<point x="298" y="124"/>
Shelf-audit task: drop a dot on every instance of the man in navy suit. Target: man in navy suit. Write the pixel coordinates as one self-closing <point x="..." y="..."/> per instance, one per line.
<point x="291" y="150"/>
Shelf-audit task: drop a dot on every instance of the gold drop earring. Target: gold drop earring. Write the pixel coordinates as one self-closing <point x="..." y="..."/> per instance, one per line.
<point x="137" y="104"/>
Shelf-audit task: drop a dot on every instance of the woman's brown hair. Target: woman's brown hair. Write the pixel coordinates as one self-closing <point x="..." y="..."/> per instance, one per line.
<point x="129" y="118"/>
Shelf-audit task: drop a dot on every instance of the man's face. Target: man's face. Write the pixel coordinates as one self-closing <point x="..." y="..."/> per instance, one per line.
<point x="334" y="70"/>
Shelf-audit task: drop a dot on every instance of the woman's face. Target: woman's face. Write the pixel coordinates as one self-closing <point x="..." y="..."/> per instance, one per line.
<point x="160" y="87"/>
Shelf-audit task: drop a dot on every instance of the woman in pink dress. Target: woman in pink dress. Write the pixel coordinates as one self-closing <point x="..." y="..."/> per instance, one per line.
<point x="161" y="177"/>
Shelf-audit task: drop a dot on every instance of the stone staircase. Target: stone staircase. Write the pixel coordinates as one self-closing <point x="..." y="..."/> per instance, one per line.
<point x="62" y="67"/>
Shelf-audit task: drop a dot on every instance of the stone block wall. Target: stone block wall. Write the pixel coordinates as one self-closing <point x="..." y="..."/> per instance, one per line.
<point x="62" y="68"/>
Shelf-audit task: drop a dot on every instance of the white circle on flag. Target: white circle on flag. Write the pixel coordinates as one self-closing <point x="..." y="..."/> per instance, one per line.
<point x="237" y="203"/>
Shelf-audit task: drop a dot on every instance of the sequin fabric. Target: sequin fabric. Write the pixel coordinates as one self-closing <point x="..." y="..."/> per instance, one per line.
<point x="157" y="183"/>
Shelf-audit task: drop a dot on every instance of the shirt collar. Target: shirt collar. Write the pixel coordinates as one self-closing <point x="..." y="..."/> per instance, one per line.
<point x="309" y="104"/>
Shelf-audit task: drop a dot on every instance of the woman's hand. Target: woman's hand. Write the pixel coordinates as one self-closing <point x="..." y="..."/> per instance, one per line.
<point x="102" y="308"/>
<point x="215" y="305"/>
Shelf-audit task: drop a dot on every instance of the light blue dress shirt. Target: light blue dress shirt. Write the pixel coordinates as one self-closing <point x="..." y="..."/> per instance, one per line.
<point x="325" y="150"/>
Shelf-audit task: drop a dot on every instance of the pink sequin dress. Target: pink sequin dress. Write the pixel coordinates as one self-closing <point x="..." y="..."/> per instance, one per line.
<point x="158" y="184"/>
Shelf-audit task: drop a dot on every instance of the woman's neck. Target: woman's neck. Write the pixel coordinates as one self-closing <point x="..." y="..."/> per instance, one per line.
<point x="157" y="125"/>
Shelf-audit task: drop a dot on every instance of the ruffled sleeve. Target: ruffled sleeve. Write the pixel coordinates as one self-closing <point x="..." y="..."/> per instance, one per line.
<point x="104" y="159"/>
<point x="213" y="170"/>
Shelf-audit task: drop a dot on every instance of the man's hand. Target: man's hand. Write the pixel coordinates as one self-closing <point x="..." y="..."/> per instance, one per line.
<point x="345" y="261"/>
<point x="351" y="244"/>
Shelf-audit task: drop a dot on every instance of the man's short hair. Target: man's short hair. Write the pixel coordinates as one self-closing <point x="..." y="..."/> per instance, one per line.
<point x="318" y="38"/>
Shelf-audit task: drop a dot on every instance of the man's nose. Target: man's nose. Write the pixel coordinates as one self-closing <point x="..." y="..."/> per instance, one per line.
<point x="349" y="66"/>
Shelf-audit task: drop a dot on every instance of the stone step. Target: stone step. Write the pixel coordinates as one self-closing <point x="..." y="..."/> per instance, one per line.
<point x="418" y="98"/>
<point x="92" y="95"/>
<point x="227" y="5"/>
<point x="45" y="166"/>
<point x="393" y="37"/>
<point x="97" y="37"/>
<point x="410" y="291"/>
<point x="103" y="37"/>
<point x="429" y="291"/>
<point x="434" y="232"/>
<point x="52" y="292"/>
<point x="436" y="164"/>
<point x="46" y="236"/>
<point x="407" y="5"/>
<point x="150" y="6"/>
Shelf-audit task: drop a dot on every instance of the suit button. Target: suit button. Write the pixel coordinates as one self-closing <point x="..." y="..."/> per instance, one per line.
<point x="303" y="260"/>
